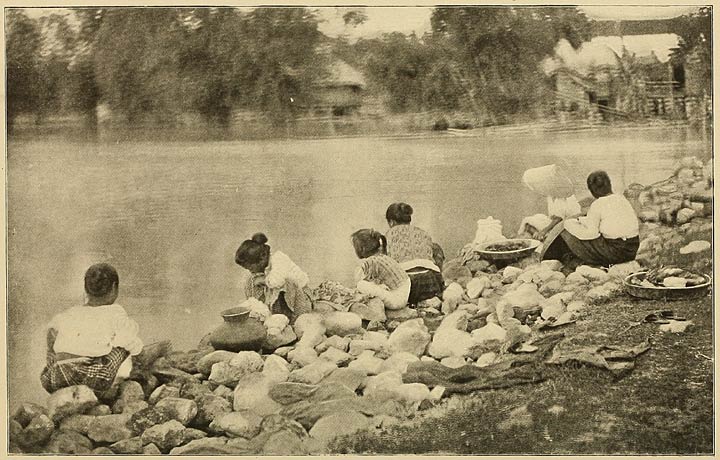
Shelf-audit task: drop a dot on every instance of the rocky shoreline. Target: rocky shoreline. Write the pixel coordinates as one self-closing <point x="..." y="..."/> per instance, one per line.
<point x="327" y="376"/>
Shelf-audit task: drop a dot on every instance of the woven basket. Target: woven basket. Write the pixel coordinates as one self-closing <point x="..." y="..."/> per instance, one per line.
<point x="666" y="293"/>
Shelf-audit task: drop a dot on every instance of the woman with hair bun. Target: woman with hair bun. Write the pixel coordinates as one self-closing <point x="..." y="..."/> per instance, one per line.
<point x="416" y="253"/>
<point x="273" y="278"/>
<point x="379" y="275"/>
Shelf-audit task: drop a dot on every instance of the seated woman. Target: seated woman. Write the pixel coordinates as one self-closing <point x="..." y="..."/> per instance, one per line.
<point x="379" y="275"/>
<point x="273" y="278"/>
<point x="607" y="235"/>
<point x="561" y="202"/>
<point x="92" y="344"/>
<point x="413" y="248"/>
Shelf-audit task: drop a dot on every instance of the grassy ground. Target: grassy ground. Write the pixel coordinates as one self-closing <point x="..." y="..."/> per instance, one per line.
<point x="663" y="406"/>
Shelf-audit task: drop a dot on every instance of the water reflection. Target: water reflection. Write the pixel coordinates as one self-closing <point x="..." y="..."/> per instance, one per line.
<point x="169" y="215"/>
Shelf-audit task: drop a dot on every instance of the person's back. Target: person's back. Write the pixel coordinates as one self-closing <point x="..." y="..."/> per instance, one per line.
<point x="617" y="217"/>
<point x="406" y="242"/>
<point x="91" y="344"/>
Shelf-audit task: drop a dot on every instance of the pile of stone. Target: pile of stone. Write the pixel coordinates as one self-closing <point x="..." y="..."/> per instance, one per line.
<point x="327" y="377"/>
<point x="685" y="195"/>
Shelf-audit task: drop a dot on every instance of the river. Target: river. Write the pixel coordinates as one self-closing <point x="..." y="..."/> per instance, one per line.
<point x="169" y="215"/>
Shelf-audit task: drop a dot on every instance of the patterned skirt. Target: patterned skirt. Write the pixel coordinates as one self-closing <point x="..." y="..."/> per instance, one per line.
<point x="424" y="284"/>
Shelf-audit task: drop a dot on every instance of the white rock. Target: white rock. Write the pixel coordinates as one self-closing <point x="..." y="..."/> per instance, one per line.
<point x="277" y="322"/>
<point x="489" y="333"/>
<point x="592" y="273"/>
<point x="452" y="297"/>
<point x="410" y="336"/>
<point x="450" y="342"/>
<point x="428" y="359"/>
<point x="230" y="372"/>
<point x="359" y="346"/>
<point x="276" y="369"/>
<point x="510" y="274"/>
<point x="526" y="296"/>
<point x="313" y="373"/>
<point x="486" y="359"/>
<point x="339" y="357"/>
<point x="623" y="270"/>
<point x="342" y="323"/>
<point x="675" y="326"/>
<point x="313" y="335"/>
<point x="576" y="278"/>
<point x="470" y="308"/>
<point x="278" y="337"/>
<point x="554" y="265"/>
<point x="398" y="362"/>
<point x="476" y="286"/>
<point x="341" y="343"/>
<point x="251" y="394"/>
<point x="368" y="363"/>
<point x="248" y="361"/>
<point x="696" y="246"/>
<point x="455" y="320"/>
<point x="302" y="356"/>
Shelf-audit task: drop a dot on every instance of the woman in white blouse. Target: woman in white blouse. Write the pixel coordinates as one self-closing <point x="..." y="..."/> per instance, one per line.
<point x="607" y="235"/>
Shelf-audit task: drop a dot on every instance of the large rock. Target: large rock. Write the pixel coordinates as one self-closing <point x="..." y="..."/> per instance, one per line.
<point x="110" y="428"/>
<point x="144" y="419"/>
<point x="291" y="392"/>
<point x="331" y="426"/>
<point x="237" y="424"/>
<point x="455" y="320"/>
<point x="229" y="373"/>
<point x="367" y="363"/>
<point x="276" y="369"/>
<point x="70" y="400"/>
<point x="372" y="310"/>
<point x="37" y="432"/>
<point x="526" y="296"/>
<point x="69" y="442"/>
<point x="330" y="391"/>
<point x="165" y="436"/>
<point x="128" y="446"/>
<point x="510" y="274"/>
<point x="476" y="286"/>
<point x="450" y="342"/>
<point x="308" y="412"/>
<point x="193" y="390"/>
<point x="339" y="357"/>
<point x="623" y="270"/>
<point x="342" y="323"/>
<point x="205" y="363"/>
<point x="592" y="273"/>
<point x="279" y="332"/>
<point x="351" y="378"/>
<point x="191" y="434"/>
<point x="335" y="341"/>
<point x="302" y="356"/>
<point x="358" y="346"/>
<point x="162" y="392"/>
<point x="313" y="373"/>
<point x="402" y="314"/>
<point x="410" y="336"/>
<point x="186" y="360"/>
<point x="151" y="449"/>
<point x="78" y="422"/>
<point x="276" y="422"/>
<point x="252" y="394"/>
<point x="489" y="336"/>
<point x="398" y="362"/>
<point x="180" y="409"/>
<point x="283" y="443"/>
<point x="210" y="406"/>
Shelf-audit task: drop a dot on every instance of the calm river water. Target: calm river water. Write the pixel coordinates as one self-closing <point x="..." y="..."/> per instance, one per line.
<point x="169" y="215"/>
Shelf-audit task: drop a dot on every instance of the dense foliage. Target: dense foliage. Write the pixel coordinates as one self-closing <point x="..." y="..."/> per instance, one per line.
<point x="159" y="63"/>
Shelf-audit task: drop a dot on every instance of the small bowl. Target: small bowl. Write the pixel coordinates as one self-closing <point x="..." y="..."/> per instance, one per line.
<point x="663" y="292"/>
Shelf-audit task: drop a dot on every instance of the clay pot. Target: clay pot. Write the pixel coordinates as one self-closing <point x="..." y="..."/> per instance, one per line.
<point x="239" y="332"/>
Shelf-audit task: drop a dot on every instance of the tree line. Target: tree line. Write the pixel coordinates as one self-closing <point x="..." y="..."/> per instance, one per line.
<point x="158" y="63"/>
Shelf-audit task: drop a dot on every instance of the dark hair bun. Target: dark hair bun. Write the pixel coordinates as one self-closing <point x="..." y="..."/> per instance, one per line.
<point x="406" y="209"/>
<point x="259" y="238"/>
